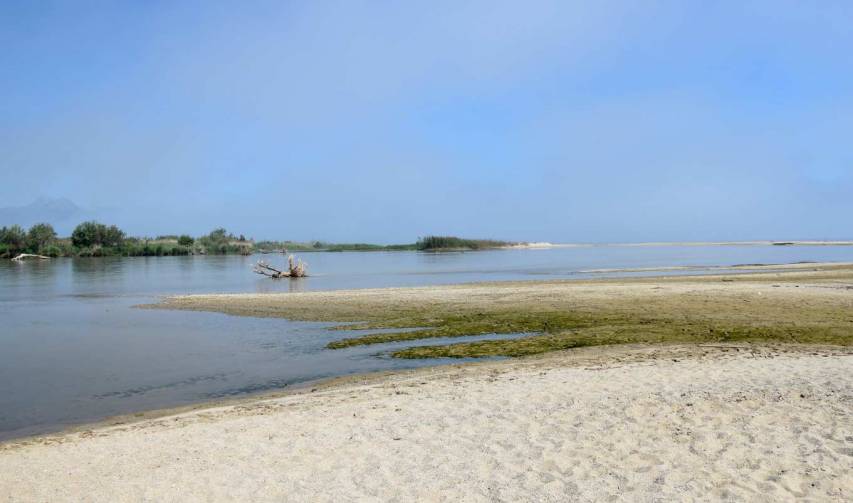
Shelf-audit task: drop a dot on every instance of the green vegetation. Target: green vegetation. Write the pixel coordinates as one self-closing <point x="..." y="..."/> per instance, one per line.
<point x="437" y="243"/>
<point x="551" y="331"/>
<point x="40" y="237"/>
<point x="13" y="240"/>
<point x="94" y="239"/>
<point x="634" y="332"/>
<point x="221" y="242"/>
<point x="139" y="247"/>
<point x="95" y="235"/>
<point x="428" y="243"/>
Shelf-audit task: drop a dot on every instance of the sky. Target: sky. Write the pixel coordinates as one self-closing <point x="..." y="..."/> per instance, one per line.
<point x="382" y="121"/>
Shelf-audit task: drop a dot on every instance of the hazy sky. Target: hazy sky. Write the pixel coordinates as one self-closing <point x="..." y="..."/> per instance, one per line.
<point x="381" y="121"/>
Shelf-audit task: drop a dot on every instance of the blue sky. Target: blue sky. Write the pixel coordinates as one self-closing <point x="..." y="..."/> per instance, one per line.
<point x="381" y="121"/>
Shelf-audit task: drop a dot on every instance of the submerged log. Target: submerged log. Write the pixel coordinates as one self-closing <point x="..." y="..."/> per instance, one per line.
<point x="23" y="256"/>
<point x="295" y="269"/>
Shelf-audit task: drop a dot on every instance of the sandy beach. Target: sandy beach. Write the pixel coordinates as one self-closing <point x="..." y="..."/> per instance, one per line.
<point x="765" y="423"/>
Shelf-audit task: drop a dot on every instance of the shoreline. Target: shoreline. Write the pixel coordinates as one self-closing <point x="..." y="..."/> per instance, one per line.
<point x="296" y="389"/>
<point x="640" y="421"/>
<point x="583" y="357"/>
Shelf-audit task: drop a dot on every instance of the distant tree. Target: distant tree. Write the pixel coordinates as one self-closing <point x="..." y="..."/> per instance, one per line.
<point x="90" y="234"/>
<point x="86" y="234"/>
<point x="14" y="239"/>
<point x="242" y="238"/>
<point x="52" y="250"/>
<point x="216" y="242"/>
<point x="40" y="237"/>
<point x="219" y="234"/>
<point x="112" y="236"/>
<point x="185" y="240"/>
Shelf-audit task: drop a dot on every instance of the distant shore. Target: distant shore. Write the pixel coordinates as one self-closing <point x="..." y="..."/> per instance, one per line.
<point x="94" y="239"/>
<point x="168" y="246"/>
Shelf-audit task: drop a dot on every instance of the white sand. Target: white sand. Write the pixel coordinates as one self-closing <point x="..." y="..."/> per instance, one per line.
<point x="626" y="424"/>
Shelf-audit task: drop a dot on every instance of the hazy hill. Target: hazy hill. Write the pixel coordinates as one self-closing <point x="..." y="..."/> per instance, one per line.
<point x="62" y="213"/>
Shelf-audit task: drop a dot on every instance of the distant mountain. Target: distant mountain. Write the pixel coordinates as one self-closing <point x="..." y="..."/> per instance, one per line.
<point x="61" y="212"/>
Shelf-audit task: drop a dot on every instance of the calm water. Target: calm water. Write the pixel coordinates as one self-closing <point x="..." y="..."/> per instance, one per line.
<point x="72" y="349"/>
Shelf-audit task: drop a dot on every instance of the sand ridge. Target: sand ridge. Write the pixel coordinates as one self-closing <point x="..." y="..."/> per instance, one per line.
<point x="804" y="303"/>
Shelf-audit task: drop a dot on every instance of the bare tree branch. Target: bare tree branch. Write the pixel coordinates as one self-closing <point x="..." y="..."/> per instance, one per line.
<point x="295" y="269"/>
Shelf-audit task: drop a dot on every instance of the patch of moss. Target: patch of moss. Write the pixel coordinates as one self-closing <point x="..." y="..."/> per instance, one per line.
<point x="599" y="336"/>
<point x="475" y="324"/>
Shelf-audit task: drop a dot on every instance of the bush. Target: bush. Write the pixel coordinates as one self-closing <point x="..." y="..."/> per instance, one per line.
<point x="220" y="241"/>
<point x="134" y="247"/>
<point x="53" y="250"/>
<point x="86" y="234"/>
<point x="94" y="234"/>
<point x="185" y="240"/>
<point x="14" y="238"/>
<point x="39" y="237"/>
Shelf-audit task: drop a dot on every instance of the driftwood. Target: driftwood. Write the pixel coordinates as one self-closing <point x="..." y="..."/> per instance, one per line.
<point x="295" y="269"/>
<point x="22" y="256"/>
